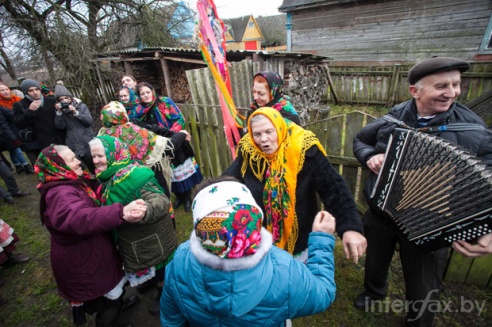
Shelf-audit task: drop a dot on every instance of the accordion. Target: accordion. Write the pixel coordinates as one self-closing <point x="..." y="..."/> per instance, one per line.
<point x="435" y="192"/>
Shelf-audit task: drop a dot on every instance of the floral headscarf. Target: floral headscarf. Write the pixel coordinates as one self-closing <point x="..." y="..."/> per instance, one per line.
<point x="52" y="170"/>
<point x="123" y="179"/>
<point x="280" y="171"/>
<point x="227" y="220"/>
<point x="132" y="103"/>
<point x="144" y="145"/>
<point x="279" y="99"/>
<point x="165" y="111"/>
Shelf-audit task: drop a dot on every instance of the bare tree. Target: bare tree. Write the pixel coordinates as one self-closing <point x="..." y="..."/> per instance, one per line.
<point x="70" y="33"/>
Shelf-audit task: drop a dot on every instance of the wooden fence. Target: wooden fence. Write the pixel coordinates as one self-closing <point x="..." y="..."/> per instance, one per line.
<point x="335" y="134"/>
<point x="386" y="85"/>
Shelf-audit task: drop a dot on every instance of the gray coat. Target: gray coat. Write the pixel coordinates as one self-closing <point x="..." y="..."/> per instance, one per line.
<point x="78" y="129"/>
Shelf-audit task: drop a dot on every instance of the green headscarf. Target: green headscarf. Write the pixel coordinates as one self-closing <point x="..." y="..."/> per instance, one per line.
<point x="124" y="179"/>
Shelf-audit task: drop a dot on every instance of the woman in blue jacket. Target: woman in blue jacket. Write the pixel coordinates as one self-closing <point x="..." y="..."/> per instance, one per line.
<point x="229" y="274"/>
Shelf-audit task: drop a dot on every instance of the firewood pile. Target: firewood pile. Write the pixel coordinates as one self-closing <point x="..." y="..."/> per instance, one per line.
<point x="307" y="86"/>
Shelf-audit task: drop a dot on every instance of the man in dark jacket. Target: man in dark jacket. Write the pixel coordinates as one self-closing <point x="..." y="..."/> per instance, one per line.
<point x="38" y="113"/>
<point x="434" y="86"/>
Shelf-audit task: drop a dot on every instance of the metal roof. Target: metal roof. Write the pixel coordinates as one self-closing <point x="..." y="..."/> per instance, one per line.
<point x="192" y="52"/>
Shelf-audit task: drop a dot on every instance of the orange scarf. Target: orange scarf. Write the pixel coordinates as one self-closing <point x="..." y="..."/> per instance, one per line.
<point x="9" y="102"/>
<point x="280" y="170"/>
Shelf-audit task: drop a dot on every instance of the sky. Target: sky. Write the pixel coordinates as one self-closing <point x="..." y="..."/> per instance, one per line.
<point x="238" y="8"/>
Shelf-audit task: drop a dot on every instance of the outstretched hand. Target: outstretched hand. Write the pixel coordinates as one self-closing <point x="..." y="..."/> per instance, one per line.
<point x="354" y="245"/>
<point x="134" y="211"/>
<point x="324" y="222"/>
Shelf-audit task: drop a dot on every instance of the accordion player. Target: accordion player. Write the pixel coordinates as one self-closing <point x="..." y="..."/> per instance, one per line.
<point x="435" y="192"/>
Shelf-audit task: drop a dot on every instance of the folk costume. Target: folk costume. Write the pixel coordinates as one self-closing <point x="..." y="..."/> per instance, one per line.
<point x="279" y="101"/>
<point x="145" y="247"/>
<point x="163" y="116"/>
<point x="86" y="265"/>
<point x="145" y="146"/>
<point x="132" y="104"/>
<point x="239" y="278"/>
<point x="285" y="183"/>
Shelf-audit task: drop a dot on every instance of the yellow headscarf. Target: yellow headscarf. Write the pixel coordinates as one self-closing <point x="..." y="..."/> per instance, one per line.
<point x="280" y="170"/>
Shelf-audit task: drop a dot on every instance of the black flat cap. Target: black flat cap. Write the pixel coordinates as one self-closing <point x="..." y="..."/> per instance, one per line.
<point x="435" y="65"/>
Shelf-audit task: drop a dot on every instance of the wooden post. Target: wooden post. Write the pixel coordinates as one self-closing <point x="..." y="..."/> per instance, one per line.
<point x="393" y="90"/>
<point x="128" y="68"/>
<point x="332" y="87"/>
<point x="167" y="77"/>
<point x="259" y="59"/>
<point x="101" y="84"/>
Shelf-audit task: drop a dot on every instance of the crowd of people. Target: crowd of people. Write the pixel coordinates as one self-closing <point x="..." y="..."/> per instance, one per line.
<point x="261" y="251"/>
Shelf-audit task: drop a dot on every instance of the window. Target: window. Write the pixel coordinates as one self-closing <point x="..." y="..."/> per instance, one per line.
<point x="486" y="45"/>
<point x="251" y="25"/>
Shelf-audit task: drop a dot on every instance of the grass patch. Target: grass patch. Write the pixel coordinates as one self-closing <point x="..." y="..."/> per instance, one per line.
<point x="31" y="299"/>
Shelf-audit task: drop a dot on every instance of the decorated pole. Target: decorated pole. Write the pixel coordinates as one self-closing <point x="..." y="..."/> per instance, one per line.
<point x="213" y="48"/>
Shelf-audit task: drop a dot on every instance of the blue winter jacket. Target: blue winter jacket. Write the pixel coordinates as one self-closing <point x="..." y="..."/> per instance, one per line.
<point x="264" y="289"/>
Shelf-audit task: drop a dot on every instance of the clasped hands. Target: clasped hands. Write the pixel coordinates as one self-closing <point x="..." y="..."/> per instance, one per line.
<point x="134" y="211"/>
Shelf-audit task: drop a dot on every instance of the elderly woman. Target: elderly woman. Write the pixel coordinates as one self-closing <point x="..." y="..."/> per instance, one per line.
<point x="284" y="166"/>
<point x="161" y="115"/>
<point x="148" y="246"/>
<point x="237" y="277"/>
<point x="267" y="92"/>
<point x="146" y="147"/>
<point x="87" y="267"/>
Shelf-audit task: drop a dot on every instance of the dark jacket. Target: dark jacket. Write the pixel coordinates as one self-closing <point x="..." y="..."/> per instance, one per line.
<point x="84" y="259"/>
<point x="10" y="135"/>
<point x="151" y="240"/>
<point x="373" y="138"/>
<point x="42" y="121"/>
<point x="316" y="176"/>
<point x="78" y="129"/>
<point x="182" y="149"/>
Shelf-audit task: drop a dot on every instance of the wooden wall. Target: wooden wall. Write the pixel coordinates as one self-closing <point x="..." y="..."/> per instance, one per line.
<point x="386" y="84"/>
<point x="392" y="30"/>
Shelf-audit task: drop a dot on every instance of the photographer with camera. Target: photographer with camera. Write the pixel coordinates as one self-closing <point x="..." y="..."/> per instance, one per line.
<point x="74" y="116"/>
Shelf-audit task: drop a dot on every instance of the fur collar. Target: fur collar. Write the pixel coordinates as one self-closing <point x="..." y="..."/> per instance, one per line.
<point x="208" y="259"/>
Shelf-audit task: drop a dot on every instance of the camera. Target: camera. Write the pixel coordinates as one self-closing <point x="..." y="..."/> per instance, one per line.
<point x="64" y="107"/>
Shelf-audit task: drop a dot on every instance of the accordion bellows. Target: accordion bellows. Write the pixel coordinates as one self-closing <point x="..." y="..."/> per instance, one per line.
<point x="434" y="191"/>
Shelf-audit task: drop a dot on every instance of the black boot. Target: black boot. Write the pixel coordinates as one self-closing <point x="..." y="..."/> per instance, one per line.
<point x="19" y="169"/>
<point x="28" y="169"/>
<point x="187" y="201"/>
<point x="179" y="200"/>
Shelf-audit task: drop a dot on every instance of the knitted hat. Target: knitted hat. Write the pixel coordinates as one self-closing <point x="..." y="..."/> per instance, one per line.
<point x="435" y="65"/>
<point x="227" y="220"/>
<point x="61" y="90"/>
<point x="27" y="84"/>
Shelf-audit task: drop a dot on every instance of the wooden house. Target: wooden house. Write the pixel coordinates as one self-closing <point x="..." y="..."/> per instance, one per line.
<point x="261" y="33"/>
<point x="243" y="33"/>
<point x="390" y="30"/>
